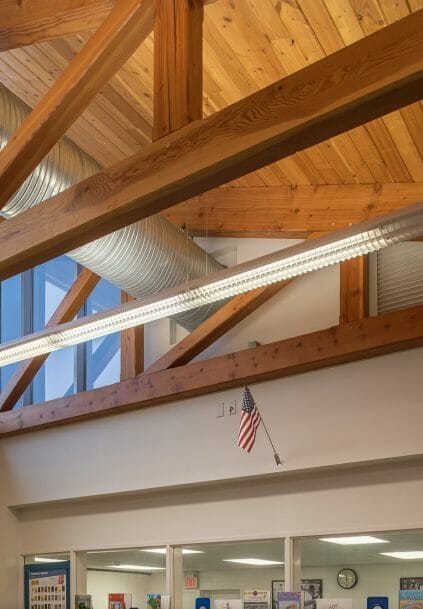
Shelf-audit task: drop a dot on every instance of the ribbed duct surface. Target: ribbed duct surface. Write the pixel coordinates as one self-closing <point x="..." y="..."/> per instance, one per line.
<point x="141" y="259"/>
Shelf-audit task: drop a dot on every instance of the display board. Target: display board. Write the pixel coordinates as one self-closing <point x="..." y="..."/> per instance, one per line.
<point x="47" y="586"/>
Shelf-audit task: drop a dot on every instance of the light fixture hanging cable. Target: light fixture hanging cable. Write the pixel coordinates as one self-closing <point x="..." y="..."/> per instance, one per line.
<point x="363" y="238"/>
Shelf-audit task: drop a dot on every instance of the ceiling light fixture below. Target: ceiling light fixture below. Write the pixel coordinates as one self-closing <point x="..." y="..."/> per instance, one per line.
<point x="255" y="562"/>
<point x="354" y="540"/>
<point x="308" y="256"/>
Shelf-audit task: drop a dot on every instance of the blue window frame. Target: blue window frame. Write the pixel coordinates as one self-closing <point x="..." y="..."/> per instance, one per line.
<point x="27" y="302"/>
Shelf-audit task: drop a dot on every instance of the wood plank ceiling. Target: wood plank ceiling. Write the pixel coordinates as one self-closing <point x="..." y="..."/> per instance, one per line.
<point x="248" y="44"/>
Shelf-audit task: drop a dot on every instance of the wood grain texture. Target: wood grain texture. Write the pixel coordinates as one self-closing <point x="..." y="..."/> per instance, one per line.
<point x="362" y="81"/>
<point x="131" y="348"/>
<point x="178" y="65"/>
<point x="286" y="212"/>
<point x="345" y="343"/>
<point x="107" y="50"/>
<point x="354" y="289"/>
<point x="227" y="317"/>
<point x="247" y="45"/>
<point x="24" y="23"/>
<point x="66" y="311"/>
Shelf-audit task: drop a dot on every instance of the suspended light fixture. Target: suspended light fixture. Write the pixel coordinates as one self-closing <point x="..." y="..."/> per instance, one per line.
<point x="363" y="238"/>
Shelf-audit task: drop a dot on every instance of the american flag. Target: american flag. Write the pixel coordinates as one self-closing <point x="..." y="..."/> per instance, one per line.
<point x="250" y="420"/>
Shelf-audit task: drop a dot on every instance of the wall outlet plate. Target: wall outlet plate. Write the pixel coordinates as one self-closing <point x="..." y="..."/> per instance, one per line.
<point x="232" y="407"/>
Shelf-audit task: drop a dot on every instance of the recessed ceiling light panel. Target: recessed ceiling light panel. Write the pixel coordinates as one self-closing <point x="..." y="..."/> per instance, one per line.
<point x="255" y="562"/>
<point x="412" y="555"/>
<point x="354" y="540"/>
<point x="163" y="551"/>
<point x="135" y="568"/>
<point x="47" y="559"/>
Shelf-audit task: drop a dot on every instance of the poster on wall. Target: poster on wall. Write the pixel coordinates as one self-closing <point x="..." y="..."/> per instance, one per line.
<point x="377" y="602"/>
<point x="256" y="599"/>
<point x="411" y="599"/>
<point x="411" y="583"/>
<point x="158" y="601"/>
<point x="289" y="600"/>
<point x="312" y="588"/>
<point x="47" y="586"/>
<point x="120" y="601"/>
<point x="83" y="601"/>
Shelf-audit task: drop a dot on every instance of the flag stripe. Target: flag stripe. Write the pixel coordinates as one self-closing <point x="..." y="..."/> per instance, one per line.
<point x="250" y="421"/>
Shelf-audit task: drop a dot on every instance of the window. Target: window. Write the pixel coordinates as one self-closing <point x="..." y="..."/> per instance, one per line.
<point x="27" y="302"/>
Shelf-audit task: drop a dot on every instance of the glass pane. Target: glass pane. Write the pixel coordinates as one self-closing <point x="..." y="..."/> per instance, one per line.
<point x="103" y="354"/>
<point x="366" y="569"/>
<point x="232" y="575"/>
<point x="52" y="281"/>
<point x="136" y="573"/>
<point x="11" y="319"/>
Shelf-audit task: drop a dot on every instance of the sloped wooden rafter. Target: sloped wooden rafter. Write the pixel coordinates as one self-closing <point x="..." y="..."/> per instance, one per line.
<point x="228" y="316"/>
<point x="360" y="82"/>
<point x="344" y="343"/>
<point x="128" y="24"/>
<point x="23" y="23"/>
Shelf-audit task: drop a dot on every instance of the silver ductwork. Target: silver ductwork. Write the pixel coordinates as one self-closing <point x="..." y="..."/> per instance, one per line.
<point x="142" y="258"/>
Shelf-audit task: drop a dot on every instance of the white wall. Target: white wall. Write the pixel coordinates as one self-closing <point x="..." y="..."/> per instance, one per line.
<point x="360" y="412"/>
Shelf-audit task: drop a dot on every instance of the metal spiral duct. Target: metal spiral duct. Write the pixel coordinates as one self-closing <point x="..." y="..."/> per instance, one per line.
<point x="140" y="259"/>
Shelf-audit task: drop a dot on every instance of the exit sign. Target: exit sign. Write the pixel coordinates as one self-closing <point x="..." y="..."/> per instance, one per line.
<point x="191" y="580"/>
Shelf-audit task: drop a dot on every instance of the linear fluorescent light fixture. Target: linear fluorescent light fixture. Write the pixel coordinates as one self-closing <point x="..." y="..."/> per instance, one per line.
<point x="135" y="568"/>
<point x="354" y="540"/>
<point x="254" y="562"/>
<point x="363" y="238"/>
<point x="412" y="555"/>
<point x="163" y="551"/>
<point x="44" y="559"/>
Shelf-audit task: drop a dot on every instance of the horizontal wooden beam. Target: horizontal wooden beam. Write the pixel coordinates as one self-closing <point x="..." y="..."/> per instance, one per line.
<point x="32" y="21"/>
<point x="128" y="24"/>
<point x="227" y="317"/>
<point x="345" y="343"/>
<point x="360" y="82"/>
<point x="66" y="311"/>
<point x="290" y="212"/>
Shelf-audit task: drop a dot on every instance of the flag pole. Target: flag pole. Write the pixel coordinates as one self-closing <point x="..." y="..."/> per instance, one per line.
<point x="275" y="453"/>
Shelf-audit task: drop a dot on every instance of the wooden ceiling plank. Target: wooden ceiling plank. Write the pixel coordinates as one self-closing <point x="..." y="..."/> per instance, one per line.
<point x="376" y="163"/>
<point x="413" y="117"/>
<point x="106" y="51"/>
<point x="24" y="23"/>
<point x="285" y="211"/>
<point x="405" y="144"/>
<point x="349" y="342"/>
<point x="66" y="311"/>
<point x="383" y="141"/>
<point x="354" y="289"/>
<point x="226" y="318"/>
<point x="275" y="122"/>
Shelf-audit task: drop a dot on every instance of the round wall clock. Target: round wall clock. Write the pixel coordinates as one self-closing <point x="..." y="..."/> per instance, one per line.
<point x="347" y="578"/>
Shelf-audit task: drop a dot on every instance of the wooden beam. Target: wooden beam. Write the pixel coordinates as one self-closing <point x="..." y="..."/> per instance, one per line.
<point x="66" y="311"/>
<point x="354" y="289"/>
<point x="178" y="65"/>
<point x="131" y="348"/>
<point x="289" y="212"/>
<point x="358" y="83"/>
<point x="345" y="343"/>
<point x="33" y="21"/>
<point x="178" y="52"/>
<point x="113" y="43"/>
<point x="214" y="327"/>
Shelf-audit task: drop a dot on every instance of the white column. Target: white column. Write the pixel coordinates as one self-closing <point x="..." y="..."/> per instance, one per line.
<point x="78" y="575"/>
<point x="175" y="576"/>
<point x="292" y="564"/>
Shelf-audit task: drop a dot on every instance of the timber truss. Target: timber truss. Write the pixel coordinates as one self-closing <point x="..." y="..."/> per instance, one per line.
<point x="191" y="158"/>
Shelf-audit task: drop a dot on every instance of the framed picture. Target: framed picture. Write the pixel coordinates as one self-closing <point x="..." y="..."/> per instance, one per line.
<point x="313" y="589"/>
<point x="278" y="585"/>
<point x="411" y="583"/>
